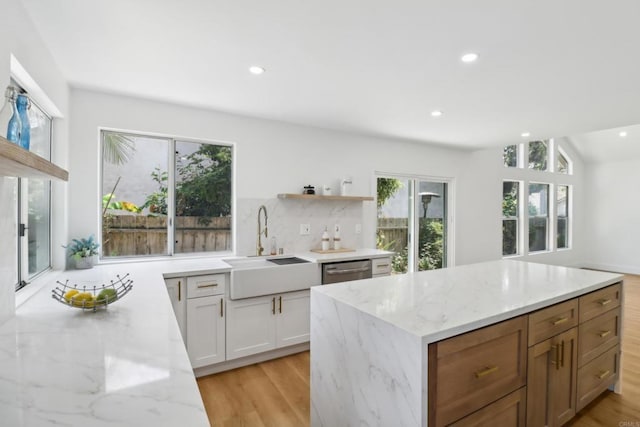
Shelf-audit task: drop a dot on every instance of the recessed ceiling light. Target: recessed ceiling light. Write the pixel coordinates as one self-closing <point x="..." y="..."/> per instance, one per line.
<point x="469" y="57"/>
<point x="436" y="113"/>
<point x="254" y="69"/>
<point x="525" y="134"/>
<point x="623" y="134"/>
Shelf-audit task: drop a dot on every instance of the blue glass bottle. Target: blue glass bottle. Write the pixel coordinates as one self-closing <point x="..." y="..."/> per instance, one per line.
<point x="23" y="104"/>
<point x="10" y="123"/>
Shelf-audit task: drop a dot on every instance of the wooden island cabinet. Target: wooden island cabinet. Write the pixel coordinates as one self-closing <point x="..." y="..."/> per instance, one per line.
<point x="537" y="369"/>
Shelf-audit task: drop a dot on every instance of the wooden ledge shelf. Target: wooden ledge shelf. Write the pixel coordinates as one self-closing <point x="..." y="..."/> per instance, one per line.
<point x="321" y="197"/>
<point x="15" y="161"/>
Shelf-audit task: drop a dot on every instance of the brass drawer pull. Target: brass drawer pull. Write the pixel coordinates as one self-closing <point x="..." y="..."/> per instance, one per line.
<point x="382" y="265"/>
<point x="602" y="375"/>
<point x="562" y="353"/>
<point x="560" y="321"/>
<point x="604" y="302"/>
<point x="604" y="334"/>
<point x="486" y="371"/>
<point x="212" y="285"/>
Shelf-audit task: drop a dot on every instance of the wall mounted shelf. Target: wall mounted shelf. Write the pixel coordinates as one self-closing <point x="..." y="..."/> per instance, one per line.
<point x="15" y="161"/>
<point x="321" y="197"/>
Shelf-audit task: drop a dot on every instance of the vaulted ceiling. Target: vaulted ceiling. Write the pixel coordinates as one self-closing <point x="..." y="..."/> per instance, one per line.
<point x="379" y="67"/>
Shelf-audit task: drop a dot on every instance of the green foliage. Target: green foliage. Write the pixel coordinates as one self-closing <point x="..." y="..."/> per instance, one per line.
<point x="109" y="202"/>
<point x="387" y="187"/>
<point x="157" y="202"/>
<point x="117" y="148"/>
<point x="509" y="199"/>
<point x="538" y="155"/>
<point x="431" y="248"/>
<point x="510" y="155"/>
<point x="204" y="189"/>
<point x="82" y="248"/>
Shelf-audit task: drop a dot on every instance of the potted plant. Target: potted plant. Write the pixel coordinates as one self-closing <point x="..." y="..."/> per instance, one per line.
<point x="83" y="251"/>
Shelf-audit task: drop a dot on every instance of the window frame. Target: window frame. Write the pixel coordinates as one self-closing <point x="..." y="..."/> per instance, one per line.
<point x="171" y="182"/>
<point x="548" y="242"/>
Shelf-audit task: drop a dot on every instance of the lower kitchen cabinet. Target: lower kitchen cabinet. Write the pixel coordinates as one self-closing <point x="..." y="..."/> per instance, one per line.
<point x="206" y="330"/>
<point x="255" y="325"/>
<point x="177" y="289"/>
<point x="551" y="380"/>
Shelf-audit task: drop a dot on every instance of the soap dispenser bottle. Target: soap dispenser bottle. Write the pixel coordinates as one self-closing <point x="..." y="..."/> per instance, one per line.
<point x="336" y="237"/>
<point x="325" y="240"/>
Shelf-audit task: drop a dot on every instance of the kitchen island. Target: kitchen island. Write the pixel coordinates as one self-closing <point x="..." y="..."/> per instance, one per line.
<point x="370" y="339"/>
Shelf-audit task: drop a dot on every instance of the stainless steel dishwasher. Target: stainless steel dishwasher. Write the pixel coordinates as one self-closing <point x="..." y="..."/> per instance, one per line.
<point x="345" y="271"/>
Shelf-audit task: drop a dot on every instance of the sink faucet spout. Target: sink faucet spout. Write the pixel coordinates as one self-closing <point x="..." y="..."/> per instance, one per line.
<point x="259" y="248"/>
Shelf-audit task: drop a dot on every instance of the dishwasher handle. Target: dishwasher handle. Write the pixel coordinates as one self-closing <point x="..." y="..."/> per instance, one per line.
<point x="347" y="271"/>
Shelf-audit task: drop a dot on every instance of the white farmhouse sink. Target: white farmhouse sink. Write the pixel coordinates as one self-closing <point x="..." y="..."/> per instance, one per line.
<point x="252" y="277"/>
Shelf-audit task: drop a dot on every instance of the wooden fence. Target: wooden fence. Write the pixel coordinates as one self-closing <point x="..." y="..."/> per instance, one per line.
<point x="393" y="233"/>
<point x="125" y="235"/>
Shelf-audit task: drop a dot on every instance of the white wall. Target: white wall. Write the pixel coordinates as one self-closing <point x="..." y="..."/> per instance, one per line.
<point x="19" y="37"/>
<point x="274" y="157"/>
<point x="613" y="206"/>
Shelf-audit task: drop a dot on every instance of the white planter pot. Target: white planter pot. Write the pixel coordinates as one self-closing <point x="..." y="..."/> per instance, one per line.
<point x="85" y="262"/>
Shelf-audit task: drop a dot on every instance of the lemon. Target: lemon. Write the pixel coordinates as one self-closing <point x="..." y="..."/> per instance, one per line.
<point x="107" y="296"/>
<point x="70" y="294"/>
<point x="83" y="299"/>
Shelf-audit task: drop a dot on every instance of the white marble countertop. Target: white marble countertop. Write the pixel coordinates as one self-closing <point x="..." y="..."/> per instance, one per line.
<point x="124" y="366"/>
<point x="343" y="256"/>
<point x="438" y="304"/>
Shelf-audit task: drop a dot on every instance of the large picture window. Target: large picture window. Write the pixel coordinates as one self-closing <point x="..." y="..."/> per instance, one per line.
<point x="538" y="217"/>
<point x="163" y="196"/>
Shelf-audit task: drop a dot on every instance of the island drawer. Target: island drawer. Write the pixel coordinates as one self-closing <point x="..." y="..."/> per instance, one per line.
<point x="206" y="285"/>
<point x="471" y="370"/>
<point x="381" y="266"/>
<point x="552" y="321"/>
<point x="507" y="411"/>
<point x="598" y="302"/>
<point x="596" y="376"/>
<point x="597" y="335"/>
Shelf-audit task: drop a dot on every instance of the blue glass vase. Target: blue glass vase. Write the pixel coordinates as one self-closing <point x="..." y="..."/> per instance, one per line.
<point x="10" y="123"/>
<point x="22" y="104"/>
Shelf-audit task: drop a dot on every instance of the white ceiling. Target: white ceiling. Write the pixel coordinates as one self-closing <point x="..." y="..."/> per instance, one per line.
<point x="553" y="68"/>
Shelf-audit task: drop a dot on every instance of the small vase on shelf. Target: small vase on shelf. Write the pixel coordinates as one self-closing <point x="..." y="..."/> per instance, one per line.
<point x="10" y="122"/>
<point x="23" y="104"/>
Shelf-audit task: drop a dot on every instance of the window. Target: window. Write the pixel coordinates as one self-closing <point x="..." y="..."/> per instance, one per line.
<point x="34" y="204"/>
<point x="538" y="155"/>
<point x="562" y="208"/>
<point x="510" y="215"/>
<point x="510" y="156"/>
<point x="409" y="207"/>
<point x="162" y="196"/>
<point x="564" y="163"/>
<point x="538" y="217"/>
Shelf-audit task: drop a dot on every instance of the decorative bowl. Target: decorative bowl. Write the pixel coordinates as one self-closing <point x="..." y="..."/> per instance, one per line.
<point x="92" y="297"/>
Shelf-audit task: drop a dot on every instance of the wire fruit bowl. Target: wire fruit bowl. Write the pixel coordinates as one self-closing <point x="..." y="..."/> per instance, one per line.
<point x="92" y="297"/>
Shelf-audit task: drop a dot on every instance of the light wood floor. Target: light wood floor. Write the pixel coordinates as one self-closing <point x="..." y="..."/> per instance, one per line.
<point x="276" y="393"/>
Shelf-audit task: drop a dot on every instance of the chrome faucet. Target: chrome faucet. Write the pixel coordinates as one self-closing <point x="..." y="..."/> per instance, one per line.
<point x="259" y="248"/>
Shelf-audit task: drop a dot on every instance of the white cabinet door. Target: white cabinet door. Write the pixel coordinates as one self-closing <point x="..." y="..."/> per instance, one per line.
<point x="250" y="326"/>
<point x="205" y="330"/>
<point x="177" y="289"/>
<point x="293" y="318"/>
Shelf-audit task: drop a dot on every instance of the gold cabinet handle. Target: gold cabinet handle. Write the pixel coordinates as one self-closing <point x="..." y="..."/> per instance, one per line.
<point x="273" y="305"/>
<point x="280" y="298"/>
<point x="604" y="302"/>
<point x="602" y="375"/>
<point x="562" y="353"/>
<point x="382" y="265"/>
<point x="556" y="356"/>
<point x="560" y="321"/>
<point x="603" y="334"/>
<point x="486" y="371"/>
<point x="179" y="290"/>
<point x="221" y="307"/>
<point x="212" y="285"/>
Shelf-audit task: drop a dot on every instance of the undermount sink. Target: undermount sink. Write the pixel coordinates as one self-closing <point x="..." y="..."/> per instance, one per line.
<point x="252" y="277"/>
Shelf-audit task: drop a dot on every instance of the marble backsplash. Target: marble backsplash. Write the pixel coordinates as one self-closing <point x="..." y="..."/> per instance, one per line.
<point x="285" y="217"/>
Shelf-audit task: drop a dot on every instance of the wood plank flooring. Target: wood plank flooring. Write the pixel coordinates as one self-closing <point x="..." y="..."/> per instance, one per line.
<point x="276" y="393"/>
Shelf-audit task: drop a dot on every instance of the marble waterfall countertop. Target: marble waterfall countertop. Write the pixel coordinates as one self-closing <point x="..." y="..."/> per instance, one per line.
<point x="442" y="303"/>
<point x="369" y="337"/>
<point x="123" y="366"/>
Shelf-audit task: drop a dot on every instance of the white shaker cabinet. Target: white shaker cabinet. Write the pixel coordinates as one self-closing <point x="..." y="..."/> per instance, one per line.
<point x="177" y="289"/>
<point x="206" y="319"/>
<point x="255" y="325"/>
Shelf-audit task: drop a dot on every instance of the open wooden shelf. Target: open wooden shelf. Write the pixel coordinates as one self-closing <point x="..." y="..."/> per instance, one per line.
<point x="321" y="197"/>
<point x="15" y="161"/>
